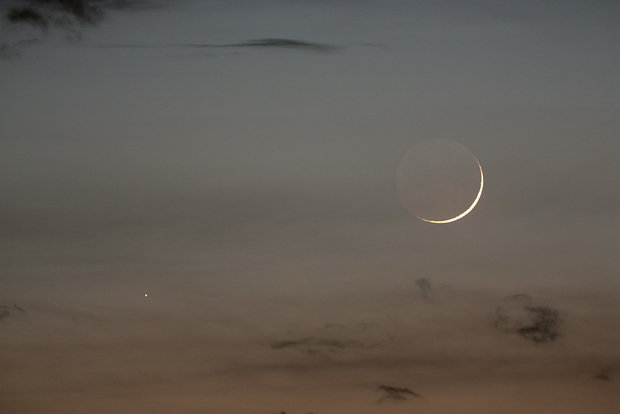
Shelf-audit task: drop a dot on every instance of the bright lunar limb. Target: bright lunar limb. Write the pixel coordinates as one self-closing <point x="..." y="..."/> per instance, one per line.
<point x="440" y="181"/>
<point x="466" y="212"/>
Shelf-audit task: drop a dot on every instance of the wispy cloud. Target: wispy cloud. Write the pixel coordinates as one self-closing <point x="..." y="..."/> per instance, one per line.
<point x="6" y="310"/>
<point x="268" y="43"/>
<point x="391" y="393"/>
<point x="537" y="323"/>
<point x="317" y="346"/>
<point x="59" y="13"/>
<point x="70" y="16"/>
<point x="143" y="350"/>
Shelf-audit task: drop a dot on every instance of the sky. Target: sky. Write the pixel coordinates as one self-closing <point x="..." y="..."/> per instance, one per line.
<point x="200" y="210"/>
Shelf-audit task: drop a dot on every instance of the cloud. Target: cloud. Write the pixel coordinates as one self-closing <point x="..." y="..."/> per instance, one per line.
<point x="316" y="346"/>
<point x="538" y="323"/>
<point x="396" y="394"/>
<point x="142" y="353"/>
<point x="287" y="44"/>
<point x="60" y="13"/>
<point x="67" y="15"/>
<point x="27" y="15"/>
<point x="543" y="326"/>
<point x="424" y="286"/>
<point x="6" y="310"/>
<point x="273" y="43"/>
<point x="604" y="374"/>
<point x="72" y="15"/>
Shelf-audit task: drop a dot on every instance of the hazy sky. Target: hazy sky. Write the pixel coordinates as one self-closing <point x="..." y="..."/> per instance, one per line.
<point x="236" y="160"/>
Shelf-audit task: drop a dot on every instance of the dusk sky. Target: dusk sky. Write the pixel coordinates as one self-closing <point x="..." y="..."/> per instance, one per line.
<point x="200" y="211"/>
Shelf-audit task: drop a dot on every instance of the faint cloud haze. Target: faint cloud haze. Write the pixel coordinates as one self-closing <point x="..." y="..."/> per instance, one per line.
<point x="6" y="310"/>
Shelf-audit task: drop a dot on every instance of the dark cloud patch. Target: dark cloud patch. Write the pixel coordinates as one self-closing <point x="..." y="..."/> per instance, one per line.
<point x="59" y="13"/>
<point x="72" y="15"/>
<point x="424" y="287"/>
<point x="274" y="43"/>
<point x="543" y="326"/>
<point x="68" y="15"/>
<point x="287" y="44"/>
<point x="537" y="323"/>
<point x="396" y="394"/>
<point x="604" y="374"/>
<point x="6" y="311"/>
<point x="27" y="15"/>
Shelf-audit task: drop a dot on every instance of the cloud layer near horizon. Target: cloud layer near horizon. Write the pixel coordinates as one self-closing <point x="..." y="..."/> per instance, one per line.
<point x="115" y="359"/>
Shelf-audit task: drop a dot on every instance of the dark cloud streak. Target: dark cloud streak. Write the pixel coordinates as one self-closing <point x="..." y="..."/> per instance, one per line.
<point x="330" y="343"/>
<point x="287" y="44"/>
<point x="396" y="393"/>
<point x="274" y="43"/>
<point x="70" y="15"/>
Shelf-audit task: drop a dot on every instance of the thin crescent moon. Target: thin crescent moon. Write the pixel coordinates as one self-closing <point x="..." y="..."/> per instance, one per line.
<point x="466" y="212"/>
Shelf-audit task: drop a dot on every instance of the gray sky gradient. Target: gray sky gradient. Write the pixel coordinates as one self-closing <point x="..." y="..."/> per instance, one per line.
<point x="250" y="191"/>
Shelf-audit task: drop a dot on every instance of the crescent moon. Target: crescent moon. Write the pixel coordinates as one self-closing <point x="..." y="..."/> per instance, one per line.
<point x="466" y="212"/>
